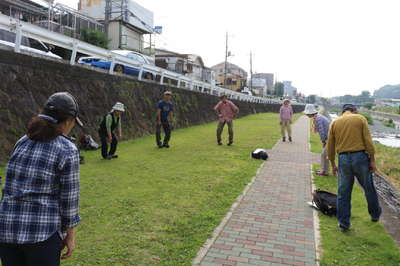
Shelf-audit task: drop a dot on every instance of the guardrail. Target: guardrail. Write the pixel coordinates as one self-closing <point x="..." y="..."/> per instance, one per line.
<point x="35" y="32"/>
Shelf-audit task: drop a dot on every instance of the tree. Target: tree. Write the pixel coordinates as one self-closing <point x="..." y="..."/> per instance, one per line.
<point x="95" y="37"/>
<point x="279" y="89"/>
<point x="311" y="99"/>
<point x="388" y="91"/>
<point x="368" y="105"/>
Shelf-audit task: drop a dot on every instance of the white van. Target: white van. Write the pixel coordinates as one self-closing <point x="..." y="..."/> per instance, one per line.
<point x="7" y="38"/>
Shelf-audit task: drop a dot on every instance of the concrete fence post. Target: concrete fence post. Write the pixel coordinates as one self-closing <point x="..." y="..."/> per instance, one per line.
<point x="162" y="78"/>
<point x="111" y="70"/>
<point x="18" y="37"/>
<point x="74" y="52"/>
<point x="140" y="76"/>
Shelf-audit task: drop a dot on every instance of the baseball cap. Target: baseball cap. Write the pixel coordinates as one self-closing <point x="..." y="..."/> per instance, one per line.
<point x="65" y="103"/>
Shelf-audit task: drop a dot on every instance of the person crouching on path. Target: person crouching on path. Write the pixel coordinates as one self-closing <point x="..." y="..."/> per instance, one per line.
<point x="165" y="109"/>
<point x="286" y="115"/>
<point x="40" y="204"/>
<point x="226" y="111"/>
<point x="321" y="126"/>
<point x="350" y="137"/>
<point x="110" y="123"/>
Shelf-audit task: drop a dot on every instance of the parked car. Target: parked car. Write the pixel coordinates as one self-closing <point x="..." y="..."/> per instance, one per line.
<point x="88" y="60"/>
<point x="7" y="38"/>
<point x="129" y="70"/>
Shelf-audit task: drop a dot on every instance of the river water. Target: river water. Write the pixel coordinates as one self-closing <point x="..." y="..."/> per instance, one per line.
<point x="385" y="135"/>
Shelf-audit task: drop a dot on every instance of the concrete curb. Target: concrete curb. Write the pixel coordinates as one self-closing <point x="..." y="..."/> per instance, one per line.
<point x="317" y="232"/>
<point x="207" y="245"/>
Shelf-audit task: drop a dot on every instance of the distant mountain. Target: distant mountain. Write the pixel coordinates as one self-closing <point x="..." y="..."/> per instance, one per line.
<point x="388" y="91"/>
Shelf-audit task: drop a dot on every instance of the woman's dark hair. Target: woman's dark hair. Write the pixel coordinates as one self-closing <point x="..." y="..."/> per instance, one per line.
<point x="43" y="130"/>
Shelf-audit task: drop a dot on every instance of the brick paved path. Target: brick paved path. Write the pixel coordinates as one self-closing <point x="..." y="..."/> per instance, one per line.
<point x="273" y="225"/>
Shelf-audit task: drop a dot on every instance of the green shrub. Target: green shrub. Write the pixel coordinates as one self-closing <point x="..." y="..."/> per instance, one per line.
<point x="95" y="37"/>
<point x="368" y="117"/>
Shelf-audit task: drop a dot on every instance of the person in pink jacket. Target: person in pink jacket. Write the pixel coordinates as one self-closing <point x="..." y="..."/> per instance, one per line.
<point x="286" y="115"/>
<point x="226" y="111"/>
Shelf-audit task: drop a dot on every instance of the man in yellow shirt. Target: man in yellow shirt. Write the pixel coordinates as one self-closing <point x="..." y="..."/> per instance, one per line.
<point x="350" y="138"/>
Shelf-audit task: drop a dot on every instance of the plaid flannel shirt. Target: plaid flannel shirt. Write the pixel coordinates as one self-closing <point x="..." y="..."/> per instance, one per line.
<point x="322" y="126"/>
<point x="41" y="192"/>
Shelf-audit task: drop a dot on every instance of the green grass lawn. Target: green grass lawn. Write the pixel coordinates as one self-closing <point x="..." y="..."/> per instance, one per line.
<point x="155" y="206"/>
<point x="366" y="243"/>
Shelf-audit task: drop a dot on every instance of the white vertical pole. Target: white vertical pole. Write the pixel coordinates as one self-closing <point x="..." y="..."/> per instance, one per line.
<point x="74" y="52"/>
<point x="162" y="78"/>
<point x="140" y="72"/>
<point x="18" y="37"/>
<point x="111" y="70"/>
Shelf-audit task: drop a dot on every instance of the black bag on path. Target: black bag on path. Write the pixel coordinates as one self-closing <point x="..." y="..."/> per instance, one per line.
<point x="325" y="201"/>
<point x="259" y="154"/>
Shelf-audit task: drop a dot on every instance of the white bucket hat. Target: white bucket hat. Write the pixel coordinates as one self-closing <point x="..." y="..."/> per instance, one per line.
<point x="310" y="109"/>
<point x="118" y="107"/>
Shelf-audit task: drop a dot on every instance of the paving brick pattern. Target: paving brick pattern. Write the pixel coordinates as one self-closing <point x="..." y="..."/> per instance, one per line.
<point x="273" y="225"/>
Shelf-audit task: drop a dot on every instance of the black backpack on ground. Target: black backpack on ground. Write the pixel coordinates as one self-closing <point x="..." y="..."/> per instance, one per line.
<point x="325" y="202"/>
<point x="259" y="154"/>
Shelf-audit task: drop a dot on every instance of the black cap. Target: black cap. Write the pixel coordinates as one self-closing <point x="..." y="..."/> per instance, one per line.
<point x="65" y="103"/>
<point x="349" y="107"/>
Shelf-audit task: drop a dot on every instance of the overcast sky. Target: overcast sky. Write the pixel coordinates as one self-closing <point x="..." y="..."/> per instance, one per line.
<point x="326" y="47"/>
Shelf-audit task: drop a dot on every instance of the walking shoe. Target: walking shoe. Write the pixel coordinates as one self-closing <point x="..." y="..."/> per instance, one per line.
<point x="230" y="143"/>
<point x="166" y="146"/>
<point x="343" y="229"/>
<point x="283" y="139"/>
<point x="109" y="157"/>
<point x="374" y="220"/>
<point x="321" y="173"/>
<point x="160" y="146"/>
<point x="219" y="143"/>
<point x="290" y="139"/>
<point x="114" y="156"/>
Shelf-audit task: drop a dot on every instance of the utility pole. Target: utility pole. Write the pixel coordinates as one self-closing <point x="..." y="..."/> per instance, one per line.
<point x="226" y="57"/>
<point x="251" y="70"/>
<point x="50" y="14"/>
<point x="107" y="16"/>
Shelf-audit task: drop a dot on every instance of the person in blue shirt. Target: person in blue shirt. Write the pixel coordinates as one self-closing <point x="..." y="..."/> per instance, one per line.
<point x="39" y="208"/>
<point x="165" y="110"/>
<point x="321" y="126"/>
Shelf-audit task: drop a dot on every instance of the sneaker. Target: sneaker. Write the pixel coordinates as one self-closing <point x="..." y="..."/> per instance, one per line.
<point x="321" y="173"/>
<point x="114" y="156"/>
<point x="230" y="143"/>
<point x="109" y="157"/>
<point x="374" y="220"/>
<point x="283" y="139"/>
<point x="219" y="143"/>
<point x="290" y="139"/>
<point x="160" y="146"/>
<point x="166" y="146"/>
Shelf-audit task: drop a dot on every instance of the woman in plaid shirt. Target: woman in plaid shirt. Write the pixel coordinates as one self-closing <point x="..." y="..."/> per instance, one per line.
<point x="39" y="208"/>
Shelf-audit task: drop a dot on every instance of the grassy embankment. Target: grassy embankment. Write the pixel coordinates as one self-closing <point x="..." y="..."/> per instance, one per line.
<point x="154" y="206"/>
<point x="366" y="243"/>
<point x="388" y="110"/>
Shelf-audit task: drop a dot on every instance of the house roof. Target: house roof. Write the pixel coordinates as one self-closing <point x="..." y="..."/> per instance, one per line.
<point x="229" y="65"/>
<point x="191" y="57"/>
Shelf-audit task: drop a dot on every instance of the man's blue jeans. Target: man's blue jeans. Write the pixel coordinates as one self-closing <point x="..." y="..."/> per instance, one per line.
<point x="352" y="165"/>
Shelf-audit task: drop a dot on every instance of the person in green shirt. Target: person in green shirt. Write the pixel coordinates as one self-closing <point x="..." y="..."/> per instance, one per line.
<point x="110" y="123"/>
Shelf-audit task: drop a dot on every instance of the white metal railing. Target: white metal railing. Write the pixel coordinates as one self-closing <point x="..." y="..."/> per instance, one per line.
<point x="57" y="39"/>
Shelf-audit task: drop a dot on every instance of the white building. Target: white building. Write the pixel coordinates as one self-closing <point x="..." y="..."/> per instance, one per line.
<point x="128" y="24"/>
<point x="258" y="86"/>
<point x="268" y="77"/>
<point x="190" y="65"/>
<point x="288" y="89"/>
